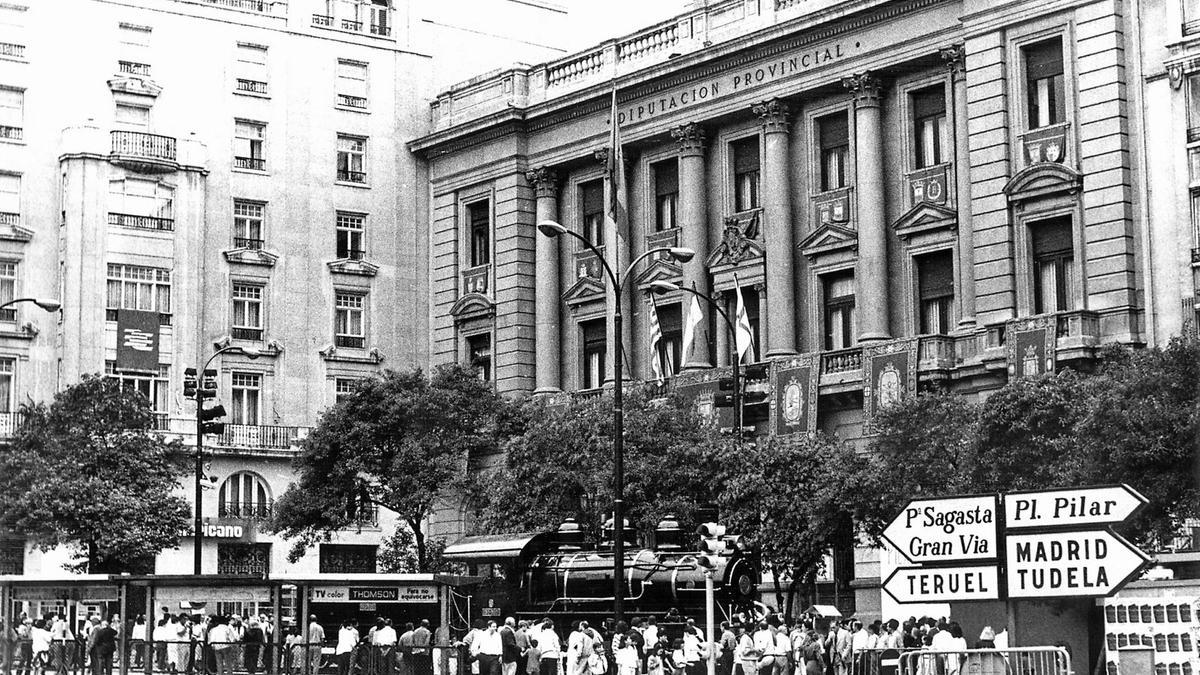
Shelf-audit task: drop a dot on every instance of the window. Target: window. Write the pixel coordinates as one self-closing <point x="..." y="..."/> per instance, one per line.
<point x="1193" y="110"/>
<point x="351" y="159"/>
<point x="1053" y="265"/>
<point x="235" y="559"/>
<point x="155" y="387"/>
<point x="480" y="226"/>
<point x="380" y="21"/>
<point x="350" y="236"/>
<point x="666" y="194"/>
<point x="351" y="84"/>
<point x="347" y="558"/>
<point x="745" y="173"/>
<point x="8" y="290"/>
<point x="344" y="388"/>
<point x="479" y="354"/>
<point x="1044" y="85"/>
<point x="247" y="391"/>
<point x="143" y="288"/>
<point x="132" y="116"/>
<point x="930" y="139"/>
<point x="12" y="556"/>
<point x="348" y="320"/>
<point x="594" y="347"/>
<point x="935" y="291"/>
<point x="671" y="324"/>
<point x="833" y="144"/>
<point x="247" y="311"/>
<point x="838" y="296"/>
<point x="141" y="204"/>
<point x="251" y="68"/>
<point x="248" y="145"/>
<point x="12" y="114"/>
<point x="10" y="197"/>
<point x="8" y="368"/>
<point x="244" y="495"/>
<point x="591" y="198"/>
<point x="248" y="224"/>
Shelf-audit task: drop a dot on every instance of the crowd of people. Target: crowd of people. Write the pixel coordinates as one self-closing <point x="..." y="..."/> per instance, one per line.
<point x="771" y="646"/>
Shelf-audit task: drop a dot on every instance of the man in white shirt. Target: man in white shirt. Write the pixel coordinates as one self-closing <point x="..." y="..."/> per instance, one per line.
<point x="550" y="647"/>
<point x="347" y="640"/>
<point x="487" y="648"/>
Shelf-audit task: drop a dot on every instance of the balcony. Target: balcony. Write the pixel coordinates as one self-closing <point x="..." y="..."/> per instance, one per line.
<point x="832" y="207"/>
<point x="141" y="222"/>
<point x="12" y="50"/>
<point x="9" y="421"/>
<point x="258" y="436"/>
<point x="322" y="20"/>
<point x="351" y="253"/>
<point x="9" y="219"/>
<point x="348" y="101"/>
<point x="164" y="319"/>
<point x="246" y="510"/>
<point x="840" y="362"/>
<point x="350" y="341"/>
<point x="929" y="185"/>
<point x="248" y="243"/>
<point x="143" y="152"/>
<point x="1077" y="334"/>
<point x="475" y="279"/>
<point x="935" y="352"/>
<point x="134" y="68"/>
<point x="250" y="163"/>
<point x="352" y="176"/>
<point x="260" y="6"/>
<point x="244" y="333"/>
<point x="381" y="30"/>
<point x="8" y="133"/>
<point x="1046" y="144"/>
<point x="367" y="516"/>
<point x="1195" y="256"/>
<point x="350" y="24"/>
<point x="252" y="86"/>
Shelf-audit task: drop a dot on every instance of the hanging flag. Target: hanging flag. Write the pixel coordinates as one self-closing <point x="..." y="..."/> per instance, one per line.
<point x="655" y="342"/>
<point x="616" y="173"/>
<point x="695" y="317"/>
<point x="744" y="339"/>
<point x="137" y="340"/>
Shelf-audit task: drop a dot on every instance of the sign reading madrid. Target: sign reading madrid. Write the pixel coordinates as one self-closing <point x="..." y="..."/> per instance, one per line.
<point x="1079" y="564"/>
<point x="941" y="530"/>
<point x="1081" y="506"/>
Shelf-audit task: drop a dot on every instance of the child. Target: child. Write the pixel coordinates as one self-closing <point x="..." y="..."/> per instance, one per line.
<point x="654" y="662"/>
<point x="626" y="656"/>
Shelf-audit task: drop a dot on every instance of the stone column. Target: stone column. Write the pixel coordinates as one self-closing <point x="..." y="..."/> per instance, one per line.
<point x="777" y="228"/>
<point x="871" y="272"/>
<point x="964" y="264"/>
<point x="547" y="285"/>
<point x="693" y="224"/>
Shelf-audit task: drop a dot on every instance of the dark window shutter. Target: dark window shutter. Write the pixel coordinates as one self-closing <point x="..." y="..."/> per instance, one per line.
<point x="935" y="275"/>
<point x="745" y="155"/>
<point x="478" y="214"/>
<point x="1052" y="237"/>
<point x="1044" y="59"/>
<point x="666" y="177"/>
<point x="594" y="333"/>
<point x="834" y="130"/>
<point x="593" y="197"/>
<point x="929" y="102"/>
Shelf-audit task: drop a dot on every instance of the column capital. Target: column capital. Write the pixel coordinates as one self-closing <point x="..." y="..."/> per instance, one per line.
<point x="866" y="88"/>
<point x="955" y="57"/>
<point x="690" y="138"/>
<point x="544" y="181"/>
<point x="774" y="115"/>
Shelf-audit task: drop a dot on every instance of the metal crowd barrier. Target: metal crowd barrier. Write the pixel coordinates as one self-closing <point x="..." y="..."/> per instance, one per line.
<point x="1011" y="661"/>
<point x="877" y="661"/>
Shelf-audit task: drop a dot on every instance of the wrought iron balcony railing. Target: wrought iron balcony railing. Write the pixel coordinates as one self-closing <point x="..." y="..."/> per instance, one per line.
<point x="141" y="222"/>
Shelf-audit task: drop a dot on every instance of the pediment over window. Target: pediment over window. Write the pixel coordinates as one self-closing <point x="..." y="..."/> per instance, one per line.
<point x="585" y="289"/>
<point x="926" y="218"/>
<point x="332" y="353"/>
<point x="14" y="232"/>
<point x="251" y="256"/>
<point x="136" y="86"/>
<point x="1043" y="179"/>
<point x="829" y="239"/>
<point x="360" y="268"/>
<point x="471" y="306"/>
<point x="659" y="270"/>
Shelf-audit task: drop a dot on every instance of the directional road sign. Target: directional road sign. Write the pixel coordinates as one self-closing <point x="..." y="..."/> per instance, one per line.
<point x="955" y="529"/>
<point x="943" y="584"/>
<point x="1071" y="508"/>
<point x="1087" y="563"/>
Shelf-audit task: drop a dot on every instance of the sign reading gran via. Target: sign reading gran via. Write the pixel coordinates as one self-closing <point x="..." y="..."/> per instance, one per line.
<point x="737" y="79"/>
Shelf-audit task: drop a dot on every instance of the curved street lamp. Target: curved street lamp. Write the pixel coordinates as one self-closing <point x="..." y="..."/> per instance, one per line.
<point x="664" y="287"/>
<point x="47" y="304"/>
<point x="554" y="230"/>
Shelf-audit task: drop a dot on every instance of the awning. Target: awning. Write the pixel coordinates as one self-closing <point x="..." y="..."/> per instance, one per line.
<point x="824" y="611"/>
<point x="496" y="547"/>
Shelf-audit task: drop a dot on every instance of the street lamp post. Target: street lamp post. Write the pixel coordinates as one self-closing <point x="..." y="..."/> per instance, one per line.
<point x="45" y="303"/>
<point x="664" y="287"/>
<point x="201" y="394"/>
<point x="552" y="229"/>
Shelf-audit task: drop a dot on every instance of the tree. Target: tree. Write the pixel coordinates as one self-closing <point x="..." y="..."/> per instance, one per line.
<point x="87" y="471"/>
<point x="794" y="499"/>
<point x="400" y="441"/>
<point x="398" y="554"/>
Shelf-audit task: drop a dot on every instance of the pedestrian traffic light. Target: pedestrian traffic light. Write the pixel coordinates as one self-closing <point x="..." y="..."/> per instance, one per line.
<point x="724" y="398"/>
<point x="189" y="383"/>
<point x="204" y="415"/>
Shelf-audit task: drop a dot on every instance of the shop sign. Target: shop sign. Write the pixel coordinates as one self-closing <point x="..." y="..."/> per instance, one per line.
<point x="375" y="594"/>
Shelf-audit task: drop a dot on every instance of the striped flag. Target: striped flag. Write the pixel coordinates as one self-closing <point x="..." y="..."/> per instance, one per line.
<point x="744" y="338"/>
<point x="695" y="316"/>
<point x="655" y="342"/>
<point x="616" y="171"/>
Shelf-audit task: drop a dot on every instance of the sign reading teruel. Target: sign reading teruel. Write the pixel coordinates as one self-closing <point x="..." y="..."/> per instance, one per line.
<point x="1085" y="563"/>
<point x="943" y="530"/>
<point x="942" y="584"/>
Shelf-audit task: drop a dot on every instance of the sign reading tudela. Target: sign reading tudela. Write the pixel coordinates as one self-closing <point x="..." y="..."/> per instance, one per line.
<point x="734" y="80"/>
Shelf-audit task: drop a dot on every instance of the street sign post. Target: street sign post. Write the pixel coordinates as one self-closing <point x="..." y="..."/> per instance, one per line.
<point x="1087" y="563"/>
<point x="1105" y="505"/>
<point x="943" y="584"/>
<point x="954" y="529"/>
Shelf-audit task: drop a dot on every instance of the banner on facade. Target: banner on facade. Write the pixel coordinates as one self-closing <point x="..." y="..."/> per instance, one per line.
<point x="137" y="340"/>
<point x="1031" y="346"/>
<point x="699" y="389"/>
<point x="795" y="406"/>
<point x="889" y="375"/>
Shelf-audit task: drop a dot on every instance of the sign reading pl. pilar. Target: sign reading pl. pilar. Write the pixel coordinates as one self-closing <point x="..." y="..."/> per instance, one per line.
<point x="1104" y="505"/>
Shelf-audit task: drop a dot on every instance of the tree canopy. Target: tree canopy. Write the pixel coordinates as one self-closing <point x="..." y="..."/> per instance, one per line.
<point x="87" y="471"/>
<point x="400" y="441"/>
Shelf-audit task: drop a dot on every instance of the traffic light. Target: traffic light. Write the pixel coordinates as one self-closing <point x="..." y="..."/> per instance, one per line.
<point x="712" y="544"/>
<point x="209" y="388"/>
<point x="189" y="382"/>
<point x="205" y="415"/>
<point x="756" y="394"/>
<point x="724" y="397"/>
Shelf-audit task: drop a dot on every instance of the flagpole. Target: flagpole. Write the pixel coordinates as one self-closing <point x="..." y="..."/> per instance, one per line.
<point x="618" y="386"/>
